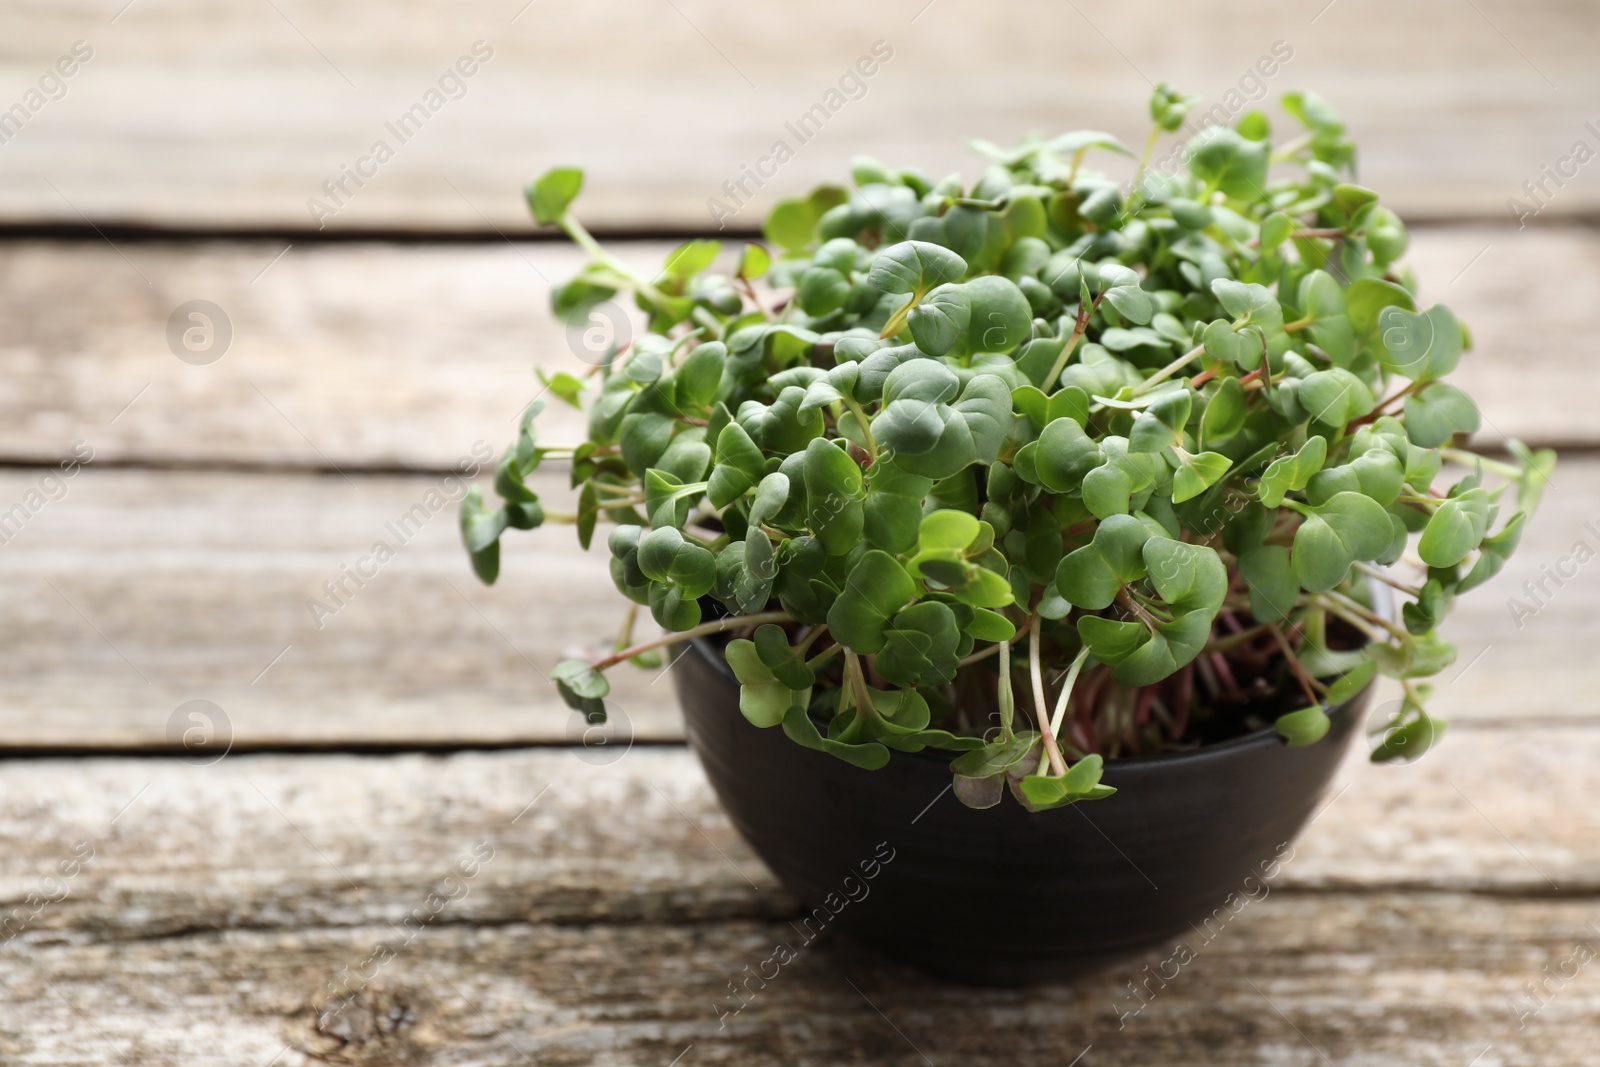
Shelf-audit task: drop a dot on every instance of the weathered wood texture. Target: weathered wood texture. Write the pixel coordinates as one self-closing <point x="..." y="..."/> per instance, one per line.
<point x="226" y="906"/>
<point x="1371" y="979"/>
<point x="225" y="114"/>
<point x="140" y="590"/>
<point x="385" y="355"/>
<point x="257" y="841"/>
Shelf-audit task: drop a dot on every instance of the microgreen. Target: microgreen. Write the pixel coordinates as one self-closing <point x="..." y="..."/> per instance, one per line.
<point x="1173" y="435"/>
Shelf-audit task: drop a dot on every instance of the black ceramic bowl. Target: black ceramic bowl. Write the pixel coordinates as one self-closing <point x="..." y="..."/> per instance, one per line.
<point x="1002" y="896"/>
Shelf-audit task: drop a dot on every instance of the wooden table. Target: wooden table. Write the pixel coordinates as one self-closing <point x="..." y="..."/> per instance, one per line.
<point x="394" y="813"/>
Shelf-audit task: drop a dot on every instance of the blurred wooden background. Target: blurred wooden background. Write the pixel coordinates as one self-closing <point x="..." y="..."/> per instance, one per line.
<point x="203" y="113"/>
<point x="376" y="348"/>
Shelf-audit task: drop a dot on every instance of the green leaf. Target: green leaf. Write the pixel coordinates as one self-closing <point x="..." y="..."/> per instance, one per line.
<point x="1131" y="302"/>
<point x="1197" y="473"/>
<point x="563" y="385"/>
<point x="1108" y="489"/>
<point x="1348" y="528"/>
<point x="1313" y="112"/>
<point x="1304" y="727"/>
<point x="549" y="196"/>
<point x="1335" y="396"/>
<point x="1536" y="468"/>
<point x="914" y="267"/>
<point x="870" y="756"/>
<point x="1366" y="299"/>
<point x="1191" y="581"/>
<point x="666" y="556"/>
<point x="893" y="508"/>
<point x="931" y="436"/>
<point x="1225" y="161"/>
<point x="1080" y="140"/>
<point x="582" y="688"/>
<point x="588" y="513"/>
<point x="763" y="698"/>
<point x="989" y="625"/>
<point x="947" y="530"/>
<point x="1274" y="589"/>
<point x="1226" y="345"/>
<point x="1169" y="107"/>
<point x="771" y="496"/>
<point x="822" y="291"/>
<point x="1438" y="412"/>
<point x="1353" y="197"/>
<point x="1081" y="782"/>
<point x="754" y="262"/>
<point x="980" y="774"/>
<point x="1420" y="346"/>
<point x="1160" y="426"/>
<point x="1411" y="740"/>
<point x="940" y="321"/>
<point x="833" y="493"/>
<point x="1275" y="229"/>
<point x="1493" y="553"/>
<point x="1225" y="412"/>
<point x="920" y="646"/>
<point x="690" y="258"/>
<point x="1089" y="577"/>
<point x="877" y="588"/>
<point x="1249" y="301"/>
<point x="1350" y="684"/>
<point x="480" y="533"/>
<point x="1454" y="530"/>
<point x="1065" y="454"/>
<point x="792" y="224"/>
<point x="1001" y="317"/>
<point x="1288" y="474"/>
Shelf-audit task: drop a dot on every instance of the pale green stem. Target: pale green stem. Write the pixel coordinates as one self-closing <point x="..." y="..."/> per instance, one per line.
<point x="1060" y="713"/>
<point x="866" y="429"/>
<point x="824" y="656"/>
<point x="1052" y="751"/>
<point x="1144" y="163"/>
<point x="1350" y="617"/>
<point x="1054" y="377"/>
<point x="1360" y="610"/>
<point x="1169" y="370"/>
<point x="898" y="319"/>
<point x="1468" y="459"/>
<point x="702" y="630"/>
<point x="584" y="240"/>
<point x="978" y="657"/>
<point x="1006" y="699"/>
<point x="1383" y="576"/>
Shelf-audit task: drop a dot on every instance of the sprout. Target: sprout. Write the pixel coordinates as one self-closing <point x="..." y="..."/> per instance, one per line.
<point x="1041" y="470"/>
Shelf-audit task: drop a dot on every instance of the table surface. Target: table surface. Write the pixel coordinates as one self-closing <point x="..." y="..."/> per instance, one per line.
<point x="395" y="804"/>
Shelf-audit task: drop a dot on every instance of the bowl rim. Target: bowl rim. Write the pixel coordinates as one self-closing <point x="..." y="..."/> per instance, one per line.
<point x="1267" y="735"/>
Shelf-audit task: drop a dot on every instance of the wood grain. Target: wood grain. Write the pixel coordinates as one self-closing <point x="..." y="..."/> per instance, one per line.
<point x="227" y="908"/>
<point x="369" y="355"/>
<point x="297" y="842"/>
<point x="138" y="591"/>
<point x="221" y="114"/>
<point x="1409" y="979"/>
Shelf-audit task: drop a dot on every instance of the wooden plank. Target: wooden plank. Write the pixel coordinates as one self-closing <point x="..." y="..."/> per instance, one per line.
<point x="227" y="908"/>
<point x="340" y="356"/>
<point x="141" y="590"/>
<point x="271" y="841"/>
<point x="1389" y="979"/>
<point x="219" y="114"/>
<point x="382" y="355"/>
